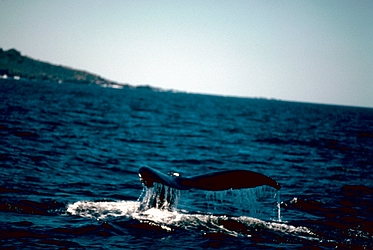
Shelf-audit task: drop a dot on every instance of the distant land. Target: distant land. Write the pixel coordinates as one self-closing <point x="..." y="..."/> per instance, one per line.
<point x="14" y="65"/>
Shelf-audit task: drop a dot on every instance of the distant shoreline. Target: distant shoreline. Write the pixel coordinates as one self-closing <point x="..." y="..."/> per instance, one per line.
<point x="16" y="66"/>
<point x="113" y="85"/>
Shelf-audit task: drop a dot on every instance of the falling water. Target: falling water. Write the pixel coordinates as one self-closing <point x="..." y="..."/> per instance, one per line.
<point x="278" y="205"/>
<point x="159" y="196"/>
<point x="260" y="202"/>
<point x="251" y="201"/>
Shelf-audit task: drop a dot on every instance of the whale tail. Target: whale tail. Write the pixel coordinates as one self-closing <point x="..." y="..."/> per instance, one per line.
<point x="223" y="180"/>
<point x="232" y="179"/>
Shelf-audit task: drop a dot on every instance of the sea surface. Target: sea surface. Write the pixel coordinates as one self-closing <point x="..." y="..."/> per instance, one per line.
<point x="70" y="154"/>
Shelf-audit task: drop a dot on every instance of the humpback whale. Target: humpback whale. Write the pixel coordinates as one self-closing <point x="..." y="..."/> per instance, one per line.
<point x="216" y="181"/>
<point x="166" y="187"/>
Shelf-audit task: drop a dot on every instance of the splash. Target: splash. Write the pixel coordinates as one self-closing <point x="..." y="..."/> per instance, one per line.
<point x="260" y="202"/>
<point x="156" y="207"/>
<point x="242" y="226"/>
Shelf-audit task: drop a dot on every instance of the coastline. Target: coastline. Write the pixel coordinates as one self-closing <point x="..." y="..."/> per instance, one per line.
<point x="16" y="66"/>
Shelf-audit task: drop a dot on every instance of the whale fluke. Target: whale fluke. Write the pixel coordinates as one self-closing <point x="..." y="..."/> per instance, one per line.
<point x="231" y="179"/>
<point x="217" y="181"/>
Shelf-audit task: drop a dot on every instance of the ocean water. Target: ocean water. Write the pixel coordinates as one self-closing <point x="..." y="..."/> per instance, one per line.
<point x="70" y="154"/>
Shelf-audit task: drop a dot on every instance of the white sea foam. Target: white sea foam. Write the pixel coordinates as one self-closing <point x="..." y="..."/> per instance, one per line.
<point x="103" y="209"/>
<point x="153" y="210"/>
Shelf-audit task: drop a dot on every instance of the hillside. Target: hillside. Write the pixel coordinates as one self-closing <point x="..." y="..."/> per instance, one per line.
<point x="12" y="63"/>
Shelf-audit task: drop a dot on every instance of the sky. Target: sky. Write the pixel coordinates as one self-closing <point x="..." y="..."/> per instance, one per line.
<point x="308" y="51"/>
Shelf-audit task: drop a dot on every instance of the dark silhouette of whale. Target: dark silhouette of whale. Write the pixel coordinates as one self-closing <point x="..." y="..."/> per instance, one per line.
<point x="165" y="193"/>
<point x="217" y="181"/>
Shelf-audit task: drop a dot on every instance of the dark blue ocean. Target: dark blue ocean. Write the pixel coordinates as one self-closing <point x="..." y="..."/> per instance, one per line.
<point x="70" y="154"/>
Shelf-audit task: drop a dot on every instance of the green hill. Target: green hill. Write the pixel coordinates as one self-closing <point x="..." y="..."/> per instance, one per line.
<point x="12" y="63"/>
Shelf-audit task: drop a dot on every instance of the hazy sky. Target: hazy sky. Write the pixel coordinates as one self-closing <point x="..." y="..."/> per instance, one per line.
<point x="312" y="51"/>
